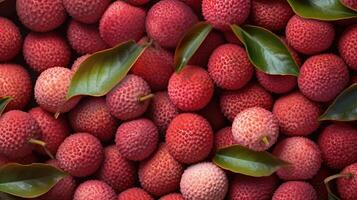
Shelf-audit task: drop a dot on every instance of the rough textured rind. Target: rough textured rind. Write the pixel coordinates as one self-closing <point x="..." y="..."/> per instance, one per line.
<point x="134" y="194"/>
<point x="347" y="46"/>
<point x="41" y="16"/>
<point x="189" y="138"/>
<point x="303" y="155"/>
<point x="10" y="40"/>
<point x="204" y="181"/>
<point x="172" y="196"/>
<point x="347" y="187"/>
<point x="350" y="3"/>
<point x="168" y="20"/>
<point x="137" y="139"/>
<point x="45" y="50"/>
<point x="296" y="114"/>
<point x="230" y="67"/>
<point x="295" y="190"/>
<point x="161" y="174"/>
<point x="94" y="190"/>
<point x="80" y="154"/>
<point x="224" y="138"/>
<point x="191" y="89"/>
<point x="122" y="22"/>
<point x="86" y="11"/>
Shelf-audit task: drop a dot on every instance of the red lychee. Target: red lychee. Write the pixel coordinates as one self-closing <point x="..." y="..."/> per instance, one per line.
<point x="10" y="40"/>
<point x="86" y="11"/>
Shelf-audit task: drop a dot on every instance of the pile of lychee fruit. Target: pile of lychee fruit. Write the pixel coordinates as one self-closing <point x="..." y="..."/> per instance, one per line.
<point x="154" y="134"/>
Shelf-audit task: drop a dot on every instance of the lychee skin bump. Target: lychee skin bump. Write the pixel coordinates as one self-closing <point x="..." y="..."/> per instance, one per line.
<point x="86" y="11"/>
<point x="347" y="46"/>
<point x="347" y="186"/>
<point x="94" y="190"/>
<point x="10" y="40"/>
<point x="134" y="194"/>
<point x="295" y="190"/>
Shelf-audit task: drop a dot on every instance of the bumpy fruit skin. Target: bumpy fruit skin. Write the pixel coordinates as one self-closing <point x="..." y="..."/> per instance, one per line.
<point x="53" y="131"/>
<point x="338" y="145"/>
<point x="252" y="95"/>
<point x="16" y="83"/>
<point x="204" y="181"/>
<point x="92" y="116"/>
<point x="168" y="20"/>
<point x="189" y="138"/>
<point x="123" y="101"/>
<point x="134" y="194"/>
<point x="45" y="50"/>
<point x="296" y="114"/>
<point x="78" y="62"/>
<point x="16" y="129"/>
<point x="11" y="40"/>
<point x="84" y="38"/>
<point x="323" y="77"/>
<point x="161" y="174"/>
<point x="252" y="188"/>
<point x="191" y="89"/>
<point x="309" y="36"/>
<point x="172" y="196"/>
<point x="137" y="139"/>
<point x="224" y="138"/>
<point x="122" y="22"/>
<point x="271" y="14"/>
<point x="86" y="11"/>
<point x="318" y="183"/>
<point x="295" y="190"/>
<point x="117" y="171"/>
<point x="80" y="154"/>
<point x="347" y="187"/>
<point x="230" y="67"/>
<point x="221" y="14"/>
<point x="350" y="3"/>
<point x="252" y="125"/>
<point x="212" y="112"/>
<point x="347" y="46"/>
<point x="303" y="155"/>
<point x="41" y="16"/>
<point x="51" y="90"/>
<point x="94" y="190"/>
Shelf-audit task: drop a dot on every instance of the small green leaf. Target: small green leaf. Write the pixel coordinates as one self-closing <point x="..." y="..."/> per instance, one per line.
<point x="348" y="6"/>
<point x="3" y="103"/>
<point x="332" y="197"/>
<point x="242" y="160"/>
<point x="103" y="70"/>
<point x="190" y="43"/>
<point x="344" y="108"/>
<point x="266" y="51"/>
<point x="28" y="181"/>
<point x="321" y="9"/>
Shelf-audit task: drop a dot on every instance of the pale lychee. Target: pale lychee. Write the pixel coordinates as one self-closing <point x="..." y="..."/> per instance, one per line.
<point x="10" y="40"/>
<point x="86" y="11"/>
<point x="347" y="46"/>
<point x="134" y="194"/>
<point x="94" y="190"/>
<point x="295" y="190"/>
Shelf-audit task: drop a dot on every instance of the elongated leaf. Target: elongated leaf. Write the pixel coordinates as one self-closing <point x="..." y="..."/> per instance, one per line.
<point x="344" y="108"/>
<point x="242" y="160"/>
<point x="348" y="6"/>
<point x="28" y="181"/>
<point x="190" y="43"/>
<point x="3" y="103"/>
<point x="266" y="51"/>
<point x="321" y="9"/>
<point x="99" y="73"/>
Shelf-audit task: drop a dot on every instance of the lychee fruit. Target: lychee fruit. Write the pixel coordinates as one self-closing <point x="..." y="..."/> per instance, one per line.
<point x="94" y="190"/>
<point x="15" y="83"/>
<point x="303" y="155"/>
<point x="347" y="186"/>
<point x="130" y="98"/>
<point x="41" y="16"/>
<point x="189" y="138"/>
<point x="172" y="196"/>
<point x="45" y="50"/>
<point x="86" y="11"/>
<point x="295" y="190"/>
<point x="318" y="183"/>
<point x="204" y="181"/>
<point x="137" y="139"/>
<point x="168" y="20"/>
<point x="212" y="112"/>
<point x="350" y="3"/>
<point x="11" y="40"/>
<point x="347" y="46"/>
<point x="117" y="171"/>
<point x="296" y="114"/>
<point x="92" y="116"/>
<point x="191" y="89"/>
<point x="224" y="138"/>
<point x="51" y="90"/>
<point x="309" y="36"/>
<point x="229" y="67"/>
<point x="161" y="174"/>
<point x="80" y="154"/>
<point x="77" y="63"/>
<point x="134" y="194"/>
<point x="122" y="22"/>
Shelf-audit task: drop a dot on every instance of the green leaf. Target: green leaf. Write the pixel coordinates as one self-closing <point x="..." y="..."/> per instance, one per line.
<point x="344" y="108"/>
<point x="3" y="103"/>
<point x="332" y="197"/>
<point x="28" y="181"/>
<point x="242" y="160"/>
<point x="348" y="6"/>
<point x="103" y="70"/>
<point x="190" y="43"/>
<point x="321" y="9"/>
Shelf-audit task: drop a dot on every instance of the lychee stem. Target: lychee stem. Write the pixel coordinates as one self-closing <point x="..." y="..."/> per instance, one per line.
<point x="43" y="145"/>
<point x="146" y="97"/>
<point x="330" y="178"/>
<point x="265" y="140"/>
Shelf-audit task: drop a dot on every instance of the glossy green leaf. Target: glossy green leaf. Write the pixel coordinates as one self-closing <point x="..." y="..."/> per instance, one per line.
<point x="28" y="181"/>
<point x="103" y="70"/>
<point x="190" y="43"/>
<point x="242" y="160"/>
<point x="266" y="51"/>
<point x="344" y="108"/>
<point x="321" y="9"/>
<point x="3" y="103"/>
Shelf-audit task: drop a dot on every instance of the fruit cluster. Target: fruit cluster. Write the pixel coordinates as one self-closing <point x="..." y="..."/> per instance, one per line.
<point x="153" y="136"/>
